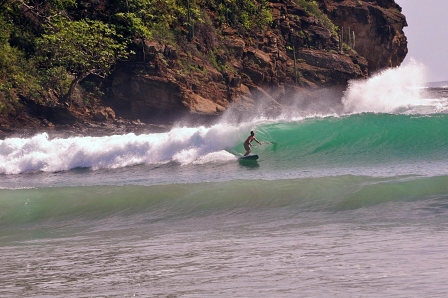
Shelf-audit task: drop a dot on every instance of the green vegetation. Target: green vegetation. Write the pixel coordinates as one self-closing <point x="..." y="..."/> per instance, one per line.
<point x="81" y="47"/>
<point x="50" y="46"/>
<point x="148" y="18"/>
<point x="348" y="43"/>
<point x="312" y="8"/>
<point x="17" y="73"/>
<point x="243" y="14"/>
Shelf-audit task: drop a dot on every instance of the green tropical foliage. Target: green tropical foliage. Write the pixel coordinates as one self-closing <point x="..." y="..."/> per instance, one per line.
<point x="246" y="14"/>
<point x="81" y="47"/>
<point x="312" y="8"/>
<point x="50" y="46"/>
<point x="17" y="73"/>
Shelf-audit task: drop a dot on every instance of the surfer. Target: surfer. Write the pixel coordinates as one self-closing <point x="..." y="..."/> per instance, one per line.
<point x="248" y="143"/>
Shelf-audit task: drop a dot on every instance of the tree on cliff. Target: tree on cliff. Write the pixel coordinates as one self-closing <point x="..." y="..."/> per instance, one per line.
<point x="82" y="47"/>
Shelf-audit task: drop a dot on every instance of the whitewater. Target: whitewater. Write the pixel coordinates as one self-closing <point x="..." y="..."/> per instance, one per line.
<point x="346" y="200"/>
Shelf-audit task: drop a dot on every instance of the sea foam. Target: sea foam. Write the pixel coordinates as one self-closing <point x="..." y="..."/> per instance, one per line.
<point x="388" y="91"/>
<point x="183" y="145"/>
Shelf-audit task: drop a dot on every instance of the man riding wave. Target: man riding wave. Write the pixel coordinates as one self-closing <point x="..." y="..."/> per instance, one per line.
<point x="248" y="143"/>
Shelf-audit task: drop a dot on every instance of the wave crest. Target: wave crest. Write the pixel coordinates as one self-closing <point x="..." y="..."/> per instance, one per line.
<point x="388" y="91"/>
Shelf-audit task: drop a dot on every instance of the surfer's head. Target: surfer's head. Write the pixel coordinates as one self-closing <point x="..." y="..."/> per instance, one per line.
<point x="252" y="133"/>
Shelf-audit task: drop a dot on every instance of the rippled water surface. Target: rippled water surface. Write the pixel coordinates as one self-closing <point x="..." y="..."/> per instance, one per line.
<point x="241" y="254"/>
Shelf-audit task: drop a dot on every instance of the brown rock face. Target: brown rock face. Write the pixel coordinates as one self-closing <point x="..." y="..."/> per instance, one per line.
<point x="377" y="26"/>
<point x="144" y="96"/>
<point x="297" y="58"/>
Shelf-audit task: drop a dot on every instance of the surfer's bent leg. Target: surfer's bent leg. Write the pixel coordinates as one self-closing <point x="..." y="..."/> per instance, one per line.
<point x="247" y="147"/>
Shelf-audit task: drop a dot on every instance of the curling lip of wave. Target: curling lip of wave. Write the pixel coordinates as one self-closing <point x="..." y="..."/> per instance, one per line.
<point x="182" y="145"/>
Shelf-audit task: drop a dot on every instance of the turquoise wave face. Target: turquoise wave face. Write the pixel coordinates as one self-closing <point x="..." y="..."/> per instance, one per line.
<point x="377" y="145"/>
<point x="356" y="140"/>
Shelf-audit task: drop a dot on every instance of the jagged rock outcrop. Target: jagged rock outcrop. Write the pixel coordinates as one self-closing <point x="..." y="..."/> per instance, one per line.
<point x="378" y="27"/>
<point x="217" y="71"/>
<point x="295" y="60"/>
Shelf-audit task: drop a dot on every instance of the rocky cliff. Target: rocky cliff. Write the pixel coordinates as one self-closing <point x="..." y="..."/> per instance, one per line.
<point x="303" y="57"/>
<point x="296" y="59"/>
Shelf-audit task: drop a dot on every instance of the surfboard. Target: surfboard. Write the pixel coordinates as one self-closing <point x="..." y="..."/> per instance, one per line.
<point x="249" y="157"/>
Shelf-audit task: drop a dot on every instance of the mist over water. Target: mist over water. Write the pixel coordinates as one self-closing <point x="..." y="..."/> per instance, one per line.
<point x="388" y="91"/>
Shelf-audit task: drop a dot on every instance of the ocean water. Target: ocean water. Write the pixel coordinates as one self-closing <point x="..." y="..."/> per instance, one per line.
<point x="346" y="201"/>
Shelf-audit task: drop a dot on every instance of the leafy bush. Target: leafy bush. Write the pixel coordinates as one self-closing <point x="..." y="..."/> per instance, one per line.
<point x="49" y="46"/>
<point x="82" y="47"/>
<point x="246" y="14"/>
<point x="17" y="74"/>
<point x="312" y="8"/>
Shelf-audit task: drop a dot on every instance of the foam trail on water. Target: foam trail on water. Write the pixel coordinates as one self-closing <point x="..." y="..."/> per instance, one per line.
<point x="388" y="91"/>
<point x="183" y="145"/>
